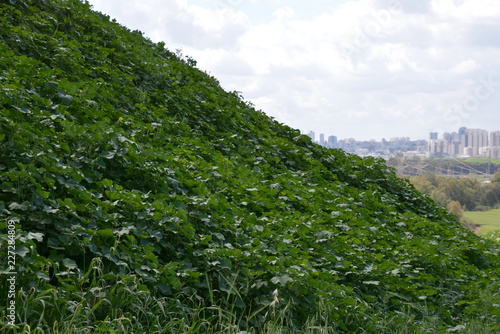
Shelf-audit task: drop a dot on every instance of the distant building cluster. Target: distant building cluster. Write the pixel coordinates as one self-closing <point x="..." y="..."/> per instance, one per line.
<point x="464" y="143"/>
<point x="331" y="142"/>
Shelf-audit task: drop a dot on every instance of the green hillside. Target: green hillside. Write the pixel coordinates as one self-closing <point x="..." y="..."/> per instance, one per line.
<point x="146" y="199"/>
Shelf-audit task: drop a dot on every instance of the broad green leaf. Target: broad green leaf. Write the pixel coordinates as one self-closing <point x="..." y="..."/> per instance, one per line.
<point x="70" y="264"/>
<point x="37" y="236"/>
<point x="281" y="280"/>
<point x="106" y="232"/>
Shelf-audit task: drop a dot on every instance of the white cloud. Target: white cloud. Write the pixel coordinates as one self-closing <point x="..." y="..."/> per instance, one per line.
<point x="357" y="114"/>
<point x="216" y="21"/>
<point x="285" y="13"/>
<point x="464" y="66"/>
<point x="467" y="10"/>
<point x="264" y="1"/>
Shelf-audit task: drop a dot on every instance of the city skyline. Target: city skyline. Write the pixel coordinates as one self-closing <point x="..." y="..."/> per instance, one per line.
<point x="465" y="142"/>
<point x="390" y="138"/>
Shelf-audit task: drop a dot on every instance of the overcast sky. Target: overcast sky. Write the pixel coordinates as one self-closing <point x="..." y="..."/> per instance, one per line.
<point x="364" y="69"/>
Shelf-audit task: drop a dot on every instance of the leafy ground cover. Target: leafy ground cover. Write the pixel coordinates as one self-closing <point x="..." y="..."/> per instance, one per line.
<point x="147" y="199"/>
<point x="488" y="220"/>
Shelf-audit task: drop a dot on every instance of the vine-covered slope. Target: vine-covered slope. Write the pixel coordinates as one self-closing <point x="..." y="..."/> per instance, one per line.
<point x="122" y="163"/>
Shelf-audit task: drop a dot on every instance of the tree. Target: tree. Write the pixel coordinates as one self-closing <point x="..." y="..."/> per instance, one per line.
<point x="496" y="178"/>
<point x="422" y="184"/>
<point x="490" y="194"/>
<point x="440" y="197"/>
<point x="465" y="191"/>
<point x="454" y="207"/>
<point x="433" y="178"/>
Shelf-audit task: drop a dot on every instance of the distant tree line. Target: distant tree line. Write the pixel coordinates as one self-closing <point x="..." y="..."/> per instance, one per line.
<point x="460" y="194"/>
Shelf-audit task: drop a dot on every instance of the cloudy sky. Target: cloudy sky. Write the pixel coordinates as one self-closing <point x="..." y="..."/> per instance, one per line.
<point x="364" y="69"/>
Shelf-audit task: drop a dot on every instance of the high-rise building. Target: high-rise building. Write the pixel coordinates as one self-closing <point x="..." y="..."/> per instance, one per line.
<point x="322" y="141"/>
<point x="477" y="138"/>
<point x="455" y="148"/>
<point x="471" y="140"/>
<point x="462" y="138"/>
<point x="495" y="152"/>
<point x="312" y="135"/>
<point x="495" y="138"/>
<point x="332" y="141"/>
<point x="433" y="136"/>
<point x="485" y="152"/>
<point x="438" y="148"/>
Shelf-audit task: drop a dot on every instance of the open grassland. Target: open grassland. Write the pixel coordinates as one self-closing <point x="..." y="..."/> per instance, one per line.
<point x="489" y="220"/>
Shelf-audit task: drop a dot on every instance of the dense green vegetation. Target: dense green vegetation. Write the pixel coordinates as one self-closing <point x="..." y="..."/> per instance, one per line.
<point x="146" y="199"/>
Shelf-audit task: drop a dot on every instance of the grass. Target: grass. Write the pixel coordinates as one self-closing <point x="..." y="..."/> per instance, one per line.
<point x="137" y="312"/>
<point x="488" y="220"/>
<point x="124" y="308"/>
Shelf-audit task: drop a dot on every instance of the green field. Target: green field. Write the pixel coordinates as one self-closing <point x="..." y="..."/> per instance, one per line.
<point x="489" y="220"/>
<point x="482" y="160"/>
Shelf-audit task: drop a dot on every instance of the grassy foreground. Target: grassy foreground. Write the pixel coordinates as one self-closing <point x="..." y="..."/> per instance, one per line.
<point x="139" y="196"/>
